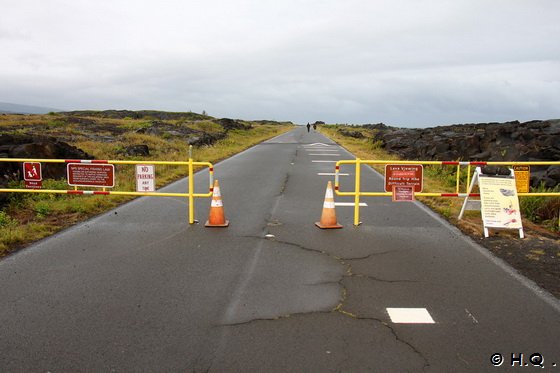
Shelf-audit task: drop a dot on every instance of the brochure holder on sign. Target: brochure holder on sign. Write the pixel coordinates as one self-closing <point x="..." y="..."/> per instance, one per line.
<point x="499" y="204"/>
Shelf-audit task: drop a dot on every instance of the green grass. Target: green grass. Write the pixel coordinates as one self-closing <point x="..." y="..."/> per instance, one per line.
<point x="206" y="126"/>
<point x="6" y="220"/>
<point x="542" y="210"/>
<point x="135" y="124"/>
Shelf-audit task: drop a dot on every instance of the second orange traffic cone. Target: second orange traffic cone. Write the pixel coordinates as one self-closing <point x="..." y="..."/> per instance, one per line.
<point x="217" y="217"/>
<point x="328" y="217"/>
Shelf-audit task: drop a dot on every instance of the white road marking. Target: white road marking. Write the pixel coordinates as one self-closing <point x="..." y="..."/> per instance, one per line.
<point x="327" y="155"/>
<point x="349" y="204"/>
<point x="322" y="150"/>
<point x="316" y="144"/>
<point x="475" y="321"/>
<point x="324" y="161"/>
<point x="331" y="174"/>
<point x="410" y="316"/>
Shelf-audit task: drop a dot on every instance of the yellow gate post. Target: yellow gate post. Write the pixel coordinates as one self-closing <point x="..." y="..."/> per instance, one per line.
<point x="191" y="187"/>
<point x="357" y="196"/>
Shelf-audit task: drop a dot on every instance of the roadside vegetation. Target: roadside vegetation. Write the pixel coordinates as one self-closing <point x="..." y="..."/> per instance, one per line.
<point x="27" y="217"/>
<point x="539" y="213"/>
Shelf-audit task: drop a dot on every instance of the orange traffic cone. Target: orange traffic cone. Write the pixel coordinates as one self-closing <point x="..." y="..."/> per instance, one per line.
<point x="328" y="217"/>
<point x="216" y="218"/>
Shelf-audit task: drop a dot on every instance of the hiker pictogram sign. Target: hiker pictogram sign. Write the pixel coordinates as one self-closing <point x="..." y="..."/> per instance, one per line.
<point x="32" y="171"/>
<point x="32" y="175"/>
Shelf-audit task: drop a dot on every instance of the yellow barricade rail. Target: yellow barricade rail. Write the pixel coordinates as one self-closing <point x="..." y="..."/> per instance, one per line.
<point x="357" y="193"/>
<point x="191" y="195"/>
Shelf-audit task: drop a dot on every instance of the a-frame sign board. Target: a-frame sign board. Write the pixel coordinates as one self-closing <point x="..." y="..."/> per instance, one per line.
<point x="499" y="204"/>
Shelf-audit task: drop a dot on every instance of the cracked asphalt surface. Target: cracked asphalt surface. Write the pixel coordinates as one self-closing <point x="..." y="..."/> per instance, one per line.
<point x="138" y="289"/>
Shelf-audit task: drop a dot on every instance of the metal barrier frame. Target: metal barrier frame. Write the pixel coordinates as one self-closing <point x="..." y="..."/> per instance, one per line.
<point x="357" y="193"/>
<point x="191" y="195"/>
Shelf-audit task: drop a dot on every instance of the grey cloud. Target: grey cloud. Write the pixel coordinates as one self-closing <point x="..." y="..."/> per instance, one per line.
<point x="410" y="63"/>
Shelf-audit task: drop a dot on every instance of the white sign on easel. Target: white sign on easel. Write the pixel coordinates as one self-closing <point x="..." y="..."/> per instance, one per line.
<point x="499" y="204"/>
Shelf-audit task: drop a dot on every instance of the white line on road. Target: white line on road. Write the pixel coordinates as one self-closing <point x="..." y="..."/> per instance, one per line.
<point x="475" y="321"/>
<point x="349" y="204"/>
<point x="324" y="161"/>
<point x="330" y="174"/>
<point x="410" y="316"/>
<point x="327" y="155"/>
<point x="333" y="149"/>
<point x="317" y="144"/>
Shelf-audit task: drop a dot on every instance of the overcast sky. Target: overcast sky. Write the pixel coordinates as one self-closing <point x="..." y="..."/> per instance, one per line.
<point x="410" y="63"/>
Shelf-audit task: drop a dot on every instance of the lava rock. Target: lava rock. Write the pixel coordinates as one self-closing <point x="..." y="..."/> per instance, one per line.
<point x="137" y="150"/>
<point x="34" y="147"/>
<point x="537" y="140"/>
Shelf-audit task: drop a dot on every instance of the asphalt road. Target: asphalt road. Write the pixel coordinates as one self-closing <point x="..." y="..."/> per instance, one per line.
<point x="138" y="289"/>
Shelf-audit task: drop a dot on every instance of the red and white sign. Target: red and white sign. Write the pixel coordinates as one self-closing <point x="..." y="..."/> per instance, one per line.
<point x="404" y="175"/>
<point x="32" y="175"/>
<point x="91" y="175"/>
<point x="403" y="193"/>
<point x="145" y="178"/>
<point x="32" y="184"/>
<point x="32" y="171"/>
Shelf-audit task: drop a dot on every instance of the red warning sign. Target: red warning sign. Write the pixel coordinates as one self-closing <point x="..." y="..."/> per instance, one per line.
<point x="32" y="171"/>
<point x="404" y="175"/>
<point x="94" y="175"/>
<point x="403" y="193"/>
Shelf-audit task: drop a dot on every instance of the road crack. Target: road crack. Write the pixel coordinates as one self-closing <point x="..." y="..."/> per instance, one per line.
<point x="377" y="254"/>
<point x="340" y="307"/>
<point x="308" y="249"/>
<point x="284" y="185"/>
<point x="341" y="311"/>
<point x="398" y="338"/>
<point x="373" y="278"/>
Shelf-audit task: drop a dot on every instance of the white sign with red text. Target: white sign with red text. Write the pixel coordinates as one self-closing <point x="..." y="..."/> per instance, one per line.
<point x="145" y="178"/>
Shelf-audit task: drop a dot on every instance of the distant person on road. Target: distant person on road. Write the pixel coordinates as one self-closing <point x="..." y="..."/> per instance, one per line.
<point x="308" y="126"/>
<point x="314" y="126"/>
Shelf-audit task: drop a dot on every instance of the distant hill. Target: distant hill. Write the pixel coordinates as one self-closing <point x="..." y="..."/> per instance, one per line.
<point x="140" y="114"/>
<point x="9" y="108"/>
